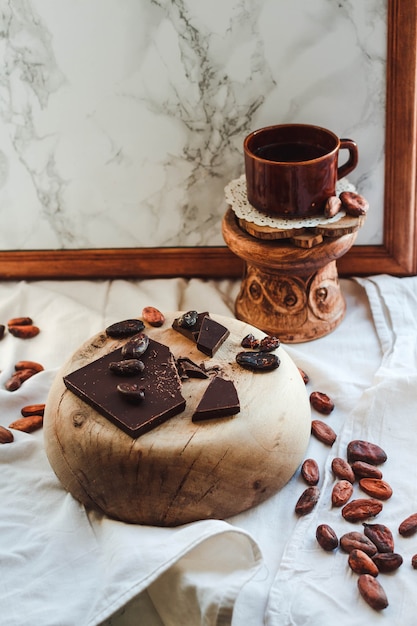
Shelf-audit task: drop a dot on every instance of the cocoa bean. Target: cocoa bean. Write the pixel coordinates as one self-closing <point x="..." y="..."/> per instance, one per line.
<point x="153" y="316"/>
<point x="341" y="492"/>
<point x="310" y="472"/>
<point x="127" y="367"/>
<point x="18" y="378"/>
<point x="414" y="561"/>
<point x="250" y="341"/>
<point x="136" y="346"/>
<point x="29" y="365"/>
<point x="131" y="392"/>
<point x="387" y="562"/>
<point x="332" y="206"/>
<point x="24" y="332"/>
<point x="258" y="361"/>
<point x="355" y="540"/>
<point x="2" y="331"/>
<point x="125" y="328"/>
<point x="13" y="383"/>
<point x="323" y="432"/>
<point x="380" y="535"/>
<point x="376" y="487"/>
<point x="361" y="509"/>
<point x="359" y="450"/>
<point x="342" y="470"/>
<point x="24" y="374"/>
<point x="307" y="501"/>
<point x="304" y="376"/>
<point x="372" y="592"/>
<point x="20" y="321"/>
<point x="269" y="343"/>
<point x="28" y="424"/>
<point x="326" y="537"/>
<point x="321" y="402"/>
<point x="365" y="470"/>
<point x="353" y="203"/>
<point x="188" y="319"/>
<point x="408" y="526"/>
<point x="33" y="409"/>
<point x="5" y="435"/>
<point x="360" y="563"/>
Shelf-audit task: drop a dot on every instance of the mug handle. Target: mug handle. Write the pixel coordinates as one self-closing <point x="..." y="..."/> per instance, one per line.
<point x="352" y="162"/>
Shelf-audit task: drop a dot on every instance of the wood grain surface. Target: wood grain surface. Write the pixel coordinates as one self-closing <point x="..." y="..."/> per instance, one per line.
<point x="182" y="471"/>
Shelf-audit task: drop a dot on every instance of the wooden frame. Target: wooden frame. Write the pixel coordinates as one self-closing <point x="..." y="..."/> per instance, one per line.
<point x="397" y="255"/>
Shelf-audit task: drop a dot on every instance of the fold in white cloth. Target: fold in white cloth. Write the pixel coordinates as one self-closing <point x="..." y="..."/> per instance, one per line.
<point x="64" y="566"/>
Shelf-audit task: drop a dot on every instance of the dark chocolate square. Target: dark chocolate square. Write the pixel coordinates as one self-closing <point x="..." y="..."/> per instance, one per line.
<point x="211" y="336"/>
<point x="97" y="386"/>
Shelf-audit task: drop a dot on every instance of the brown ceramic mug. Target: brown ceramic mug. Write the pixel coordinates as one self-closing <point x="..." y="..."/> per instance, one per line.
<point x="291" y="169"/>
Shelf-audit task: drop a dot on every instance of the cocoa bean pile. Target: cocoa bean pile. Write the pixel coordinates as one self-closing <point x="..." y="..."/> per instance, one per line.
<point x="23" y="371"/>
<point x="31" y="419"/>
<point x="31" y="415"/>
<point x="370" y="552"/>
<point x="21" y="327"/>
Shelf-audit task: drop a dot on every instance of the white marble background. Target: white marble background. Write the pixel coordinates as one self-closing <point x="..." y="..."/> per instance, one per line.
<point x="121" y="121"/>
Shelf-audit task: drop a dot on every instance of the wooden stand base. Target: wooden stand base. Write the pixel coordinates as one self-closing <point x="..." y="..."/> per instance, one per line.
<point x="288" y="291"/>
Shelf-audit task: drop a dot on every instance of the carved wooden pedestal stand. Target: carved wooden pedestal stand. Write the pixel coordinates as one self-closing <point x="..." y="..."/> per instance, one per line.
<point x="289" y="291"/>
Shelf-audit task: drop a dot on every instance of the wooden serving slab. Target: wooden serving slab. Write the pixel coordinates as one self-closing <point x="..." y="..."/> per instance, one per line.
<point x="182" y="471"/>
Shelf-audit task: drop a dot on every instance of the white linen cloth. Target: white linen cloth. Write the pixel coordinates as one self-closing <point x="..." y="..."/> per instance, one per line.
<point x="63" y="566"/>
<point x="313" y="587"/>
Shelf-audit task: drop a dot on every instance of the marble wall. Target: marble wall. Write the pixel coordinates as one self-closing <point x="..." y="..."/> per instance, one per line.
<point x="121" y="121"/>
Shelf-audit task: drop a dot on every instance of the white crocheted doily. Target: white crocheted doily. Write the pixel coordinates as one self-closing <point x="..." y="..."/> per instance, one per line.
<point x="236" y="196"/>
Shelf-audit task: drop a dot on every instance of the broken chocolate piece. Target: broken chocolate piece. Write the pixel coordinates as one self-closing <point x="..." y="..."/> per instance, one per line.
<point x="211" y="336"/>
<point x="190" y="331"/>
<point x="219" y="400"/>
<point x="96" y="385"/>
<point x="126" y="328"/>
<point x="188" y="369"/>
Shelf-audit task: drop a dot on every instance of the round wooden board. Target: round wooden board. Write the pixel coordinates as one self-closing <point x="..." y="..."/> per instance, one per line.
<point x="269" y="232"/>
<point x="345" y="226"/>
<point x="182" y="471"/>
<point x="308" y="236"/>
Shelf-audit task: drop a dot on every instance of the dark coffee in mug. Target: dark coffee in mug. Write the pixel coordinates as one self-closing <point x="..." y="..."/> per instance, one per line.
<point x="290" y="152"/>
<point x="292" y="169"/>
